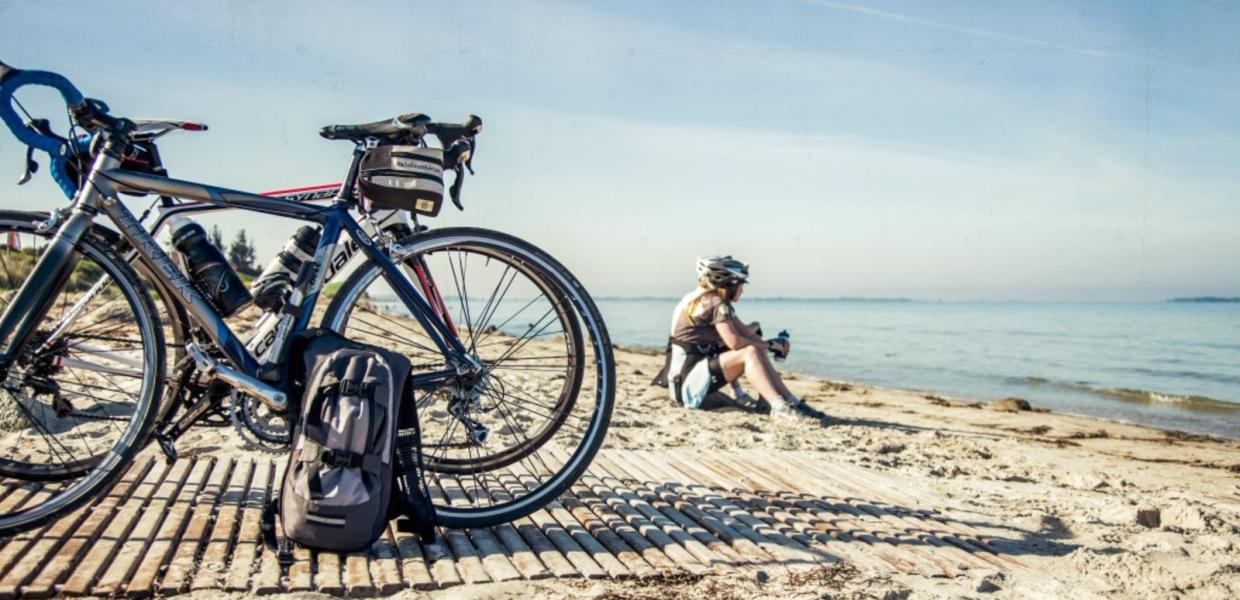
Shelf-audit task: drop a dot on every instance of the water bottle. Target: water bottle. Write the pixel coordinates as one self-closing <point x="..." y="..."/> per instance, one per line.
<point x="207" y="267"/>
<point x="272" y="286"/>
<point x="781" y="356"/>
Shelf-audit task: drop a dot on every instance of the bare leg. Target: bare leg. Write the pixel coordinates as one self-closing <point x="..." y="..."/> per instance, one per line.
<point x="756" y="365"/>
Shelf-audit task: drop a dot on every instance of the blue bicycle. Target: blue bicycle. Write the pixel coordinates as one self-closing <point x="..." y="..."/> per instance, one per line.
<point x="515" y="382"/>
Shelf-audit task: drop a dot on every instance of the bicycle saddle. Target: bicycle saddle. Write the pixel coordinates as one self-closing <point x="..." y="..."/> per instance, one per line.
<point x="395" y="129"/>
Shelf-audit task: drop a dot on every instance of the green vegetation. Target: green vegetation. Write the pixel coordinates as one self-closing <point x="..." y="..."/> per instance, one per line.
<point x="17" y="264"/>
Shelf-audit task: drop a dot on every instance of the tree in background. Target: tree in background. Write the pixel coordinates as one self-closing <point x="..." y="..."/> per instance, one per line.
<point x="217" y="237"/>
<point x="241" y="254"/>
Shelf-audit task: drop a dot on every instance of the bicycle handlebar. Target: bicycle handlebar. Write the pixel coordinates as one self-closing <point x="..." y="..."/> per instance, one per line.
<point x="10" y="81"/>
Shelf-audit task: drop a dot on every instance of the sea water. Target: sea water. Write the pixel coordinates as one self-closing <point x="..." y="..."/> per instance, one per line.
<point x="1169" y="365"/>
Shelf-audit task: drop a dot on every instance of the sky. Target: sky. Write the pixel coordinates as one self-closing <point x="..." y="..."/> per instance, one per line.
<point x="949" y="150"/>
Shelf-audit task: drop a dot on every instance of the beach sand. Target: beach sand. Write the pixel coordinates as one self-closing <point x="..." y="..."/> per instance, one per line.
<point x="1094" y="508"/>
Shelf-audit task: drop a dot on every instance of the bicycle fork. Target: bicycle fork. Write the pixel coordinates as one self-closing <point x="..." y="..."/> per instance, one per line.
<point x="42" y="286"/>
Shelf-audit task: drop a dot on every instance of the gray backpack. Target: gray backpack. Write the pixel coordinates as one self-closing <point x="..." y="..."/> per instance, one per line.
<point x="338" y="490"/>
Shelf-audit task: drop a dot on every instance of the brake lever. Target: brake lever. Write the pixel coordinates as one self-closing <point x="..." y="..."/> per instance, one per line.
<point x="469" y="160"/>
<point x="42" y="127"/>
<point x="32" y="167"/>
<point x="455" y="190"/>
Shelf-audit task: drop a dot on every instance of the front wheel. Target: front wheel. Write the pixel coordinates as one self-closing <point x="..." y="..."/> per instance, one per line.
<point x="531" y="426"/>
<point x="80" y="397"/>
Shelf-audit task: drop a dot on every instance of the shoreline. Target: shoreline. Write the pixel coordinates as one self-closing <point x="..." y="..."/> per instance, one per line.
<point x="1072" y="488"/>
<point x="1178" y="402"/>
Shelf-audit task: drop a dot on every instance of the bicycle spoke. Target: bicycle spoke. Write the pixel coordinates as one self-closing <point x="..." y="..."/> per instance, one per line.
<point x="461" y="295"/>
<point x="524" y="340"/>
<point x="500" y="327"/>
<point x="398" y="324"/>
<point x="527" y="398"/>
<point x="492" y="304"/>
<point x="531" y="381"/>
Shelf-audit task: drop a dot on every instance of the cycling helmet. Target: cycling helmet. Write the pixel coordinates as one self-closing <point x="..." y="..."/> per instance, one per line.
<point x="722" y="271"/>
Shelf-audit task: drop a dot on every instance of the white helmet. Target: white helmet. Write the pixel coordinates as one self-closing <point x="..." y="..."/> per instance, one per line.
<point x="722" y="271"/>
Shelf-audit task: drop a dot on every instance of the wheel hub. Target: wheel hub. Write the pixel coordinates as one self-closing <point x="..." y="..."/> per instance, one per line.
<point x="466" y="391"/>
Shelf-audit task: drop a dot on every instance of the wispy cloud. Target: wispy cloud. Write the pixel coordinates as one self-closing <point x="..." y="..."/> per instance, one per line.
<point x="973" y="31"/>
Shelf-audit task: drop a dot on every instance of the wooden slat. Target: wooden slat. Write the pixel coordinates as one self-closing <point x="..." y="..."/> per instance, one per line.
<point x="357" y="581"/>
<point x="214" y="561"/>
<point x="143" y="581"/>
<point x="16" y="547"/>
<point x="774" y="542"/>
<point x="833" y="532"/>
<point x="267" y="578"/>
<point x="181" y="568"/>
<point x="732" y="475"/>
<point x="776" y="510"/>
<point x="565" y="545"/>
<point x="413" y="567"/>
<point x="301" y="572"/>
<point x="643" y="506"/>
<point x="633" y="514"/>
<point x="705" y="514"/>
<point x="491" y="553"/>
<point x="386" y="569"/>
<point x="957" y="533"/>
<point x="442" y="567"/>
<point x="602" y="528"/>
<point x="663" y="548"/>
<point x="547" y="559"/>
<point x="150" y="517"/>
<point x="908" y="533"/>
<point x="855" y="525"/>
<point x="100" y="552"/>
<point x="639" y="554"/>
<point x="582" y="533"/>
<point x="327" y="579"/>
<point x="893" y="545"/>
<point x="466" y="559"/>
<point x="82" y="535"/>
<point x="249" y="533"/>
<point x="555" y="548"/>
<point x="937" y="545"/>
<point x="34" y="547"/>
<point x="519" y="552"/>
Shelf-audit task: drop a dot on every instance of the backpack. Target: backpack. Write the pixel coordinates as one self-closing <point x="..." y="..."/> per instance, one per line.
<point x="338" y="491"/>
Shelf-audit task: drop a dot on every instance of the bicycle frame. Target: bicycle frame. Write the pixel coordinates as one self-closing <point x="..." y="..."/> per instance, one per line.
<point x="101" y="194"/>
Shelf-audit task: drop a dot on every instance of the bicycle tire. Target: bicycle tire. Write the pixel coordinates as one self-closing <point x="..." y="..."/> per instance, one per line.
<point x="521" y="499"/>
<point x="176" y="325"/>
<point x="98" y="472"/>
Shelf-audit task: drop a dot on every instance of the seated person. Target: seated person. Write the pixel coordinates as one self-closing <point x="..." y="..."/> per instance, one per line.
<point x="710" y="347"/>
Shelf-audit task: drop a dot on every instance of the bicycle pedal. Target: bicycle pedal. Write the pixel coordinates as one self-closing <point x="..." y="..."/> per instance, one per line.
<point x="169" y="449"/>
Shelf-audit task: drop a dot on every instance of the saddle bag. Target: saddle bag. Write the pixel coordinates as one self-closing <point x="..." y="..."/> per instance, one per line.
<point x="403" y="177"/>
<point x="340" y="486"/>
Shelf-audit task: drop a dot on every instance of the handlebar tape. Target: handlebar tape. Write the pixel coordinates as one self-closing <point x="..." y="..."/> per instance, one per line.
<point x="10" y="80"/>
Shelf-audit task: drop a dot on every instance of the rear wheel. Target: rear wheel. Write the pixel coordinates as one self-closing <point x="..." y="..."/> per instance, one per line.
<point x="537" y="415"/>
<point x="80" y="398"/>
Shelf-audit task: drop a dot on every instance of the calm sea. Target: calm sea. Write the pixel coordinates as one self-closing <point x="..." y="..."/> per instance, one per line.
<point x="1169" y="365"/>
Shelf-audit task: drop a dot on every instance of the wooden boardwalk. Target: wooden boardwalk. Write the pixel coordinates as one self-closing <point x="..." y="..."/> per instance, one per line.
<point x="194" y="525"/>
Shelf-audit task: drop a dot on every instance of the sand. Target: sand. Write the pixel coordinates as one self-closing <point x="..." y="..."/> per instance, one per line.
<point x="1096" y="509"/>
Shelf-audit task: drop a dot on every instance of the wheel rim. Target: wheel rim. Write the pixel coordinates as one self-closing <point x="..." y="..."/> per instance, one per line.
<point x="97" y="379"/>
<point x="525" y="472"/>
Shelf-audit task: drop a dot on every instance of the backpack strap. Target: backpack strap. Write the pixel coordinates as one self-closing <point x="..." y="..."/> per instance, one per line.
<point x="283" y="547"/>
<point x="412" y="496"/>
